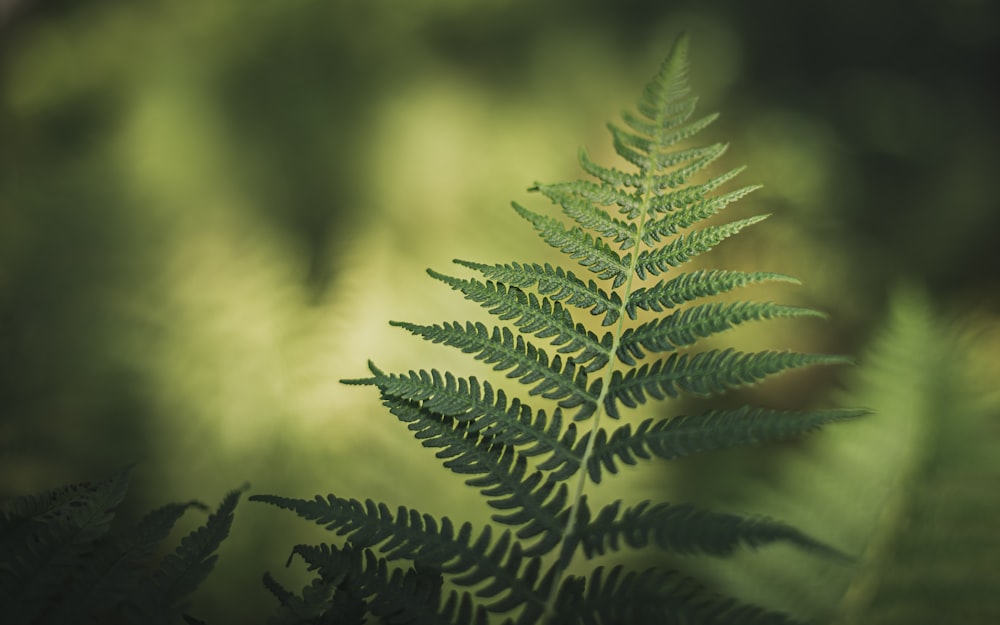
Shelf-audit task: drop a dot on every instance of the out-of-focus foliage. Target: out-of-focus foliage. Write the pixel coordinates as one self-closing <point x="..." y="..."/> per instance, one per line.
<point x="193" y="196"/>
<point x="906" y="490"/>
<point x="61" y="561"/>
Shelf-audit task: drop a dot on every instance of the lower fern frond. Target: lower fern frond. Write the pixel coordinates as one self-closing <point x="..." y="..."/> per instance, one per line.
<point x="61" y="561"/>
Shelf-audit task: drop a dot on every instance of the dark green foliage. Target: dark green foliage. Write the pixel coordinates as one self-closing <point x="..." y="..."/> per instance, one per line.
<point x="62" y="562"/>
<point x="533" y="464"/>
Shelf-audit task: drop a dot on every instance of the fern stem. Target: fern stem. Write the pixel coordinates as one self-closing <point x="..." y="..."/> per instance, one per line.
<point x="609" y="370"/>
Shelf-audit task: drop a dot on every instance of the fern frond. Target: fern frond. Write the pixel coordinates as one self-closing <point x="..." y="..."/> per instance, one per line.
<point x="537" y="501"/>
<point x="111" y="571"/>
<point x="542" y="318"/>
<point x="654" y="596"/>
<point x="685" y="327"/>
<point x="684" y="529"/>
<point x="682" y="436"/>
<point x="411" y="596"/>
<point x="47" y="542"/>
<point x="320" y="602"/>
<point x="590" y="216"/>
<point x="180" y="573"/>
<point x="685" y="247"/>
<point x="594" y="194"/>
<point x="87" y="506"/>
<point x="62" y="562"/>
<point x="421" y="538"/>
<point x="647" y="150"/>
<point x="705" y="374"/>
<point x="33" y="572"/>
<point x="666" y="97"/>
<point x="682" y="197"/>
<point x="555" y="379"/>
<point x="688" y="287"/>
<point x="556" y="283"/>
<point x="515" y="426"/>
<point x="691" y="214"/>
<point x="501" y="472"/>
<point x="622" y="226"/>
<point x="644" y="183"/>
<point x="588" y="251"/>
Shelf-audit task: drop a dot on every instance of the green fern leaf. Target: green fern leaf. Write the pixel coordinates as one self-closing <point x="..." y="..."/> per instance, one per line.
<point x="623" y="227"/>
<point x="686" y="327"/>
<point x="412" y="596"/>
<point x="179" y="574"/>
<point x="691" y="214"/>
<point x="682" y="436"/>
<point x="684" y="248"/>
<point x="552" y="379"/>
<point x="685" y="197"/>
<point x="535" y="316"/>
<point x="110" y="577"/>
<point x="87" y="506"/>
<point x="320" y="602"/>
<point x="692" y="286"/>
<point x="421" y="538"/>
<point x="654" y="596"/>
<point x="46" y="541"/>
<point x="684" y="529"/>
<point x="557" y="284"/>
<point x="588" y="251"/>
<point x="492" y="422"/>
<point x="704" y="374"/>
<point x="501" y="471"/>
<point x="590" y="216"/>
<point x="594" y="193"/>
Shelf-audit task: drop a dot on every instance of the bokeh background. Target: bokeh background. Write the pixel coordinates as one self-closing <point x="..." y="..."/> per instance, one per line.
<point x="210" y="210"/>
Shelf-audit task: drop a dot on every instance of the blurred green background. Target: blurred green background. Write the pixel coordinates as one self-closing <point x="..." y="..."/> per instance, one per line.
<point x="210" y="210"/>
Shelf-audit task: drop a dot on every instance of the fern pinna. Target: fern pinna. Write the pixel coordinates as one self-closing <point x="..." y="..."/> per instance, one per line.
<point x="534" y="465"/>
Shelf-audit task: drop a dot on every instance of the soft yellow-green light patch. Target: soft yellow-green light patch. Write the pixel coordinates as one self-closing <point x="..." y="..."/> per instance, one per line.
<point x="791" y="155"/>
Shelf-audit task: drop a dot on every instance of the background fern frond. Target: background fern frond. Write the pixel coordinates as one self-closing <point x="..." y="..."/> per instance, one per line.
<point x="88" y="506"/>
<point x="112" y="571"/>
<point x="48" y="540"/>
<point x="61" y="561"/>
<point x="320" y="601"/>
<point x="161" y="594"/>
